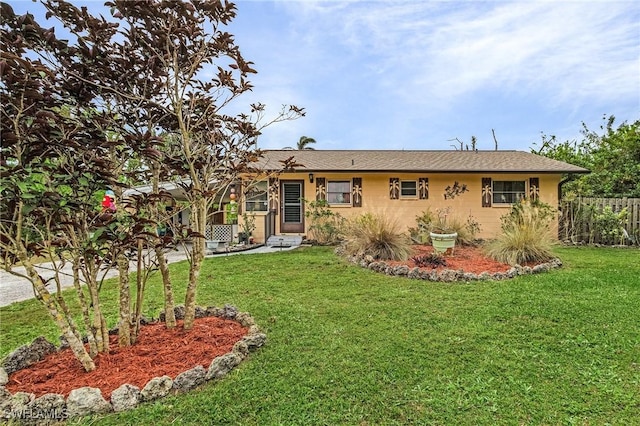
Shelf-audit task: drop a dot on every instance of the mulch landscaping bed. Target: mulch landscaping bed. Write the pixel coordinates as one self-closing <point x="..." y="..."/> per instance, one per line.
<point x="157" y="352"/>
<point x="467" y="258"/>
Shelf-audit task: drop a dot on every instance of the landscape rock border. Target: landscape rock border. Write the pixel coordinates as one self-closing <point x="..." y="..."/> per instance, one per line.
<point x="25" y="408"/>
<point x="450" y="275"/>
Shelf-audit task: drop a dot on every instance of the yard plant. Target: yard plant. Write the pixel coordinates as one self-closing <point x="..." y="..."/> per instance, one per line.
<point x="375" y="235"/>
<point x="526" y="234"/>
<point x="349" y="346"/>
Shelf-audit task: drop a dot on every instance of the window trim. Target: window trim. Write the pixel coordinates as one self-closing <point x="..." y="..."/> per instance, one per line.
<point x="350" y="192"/>
<point x="494" y="193"/>
<point x="415" y="189"/>
<point x="263" y="202"/>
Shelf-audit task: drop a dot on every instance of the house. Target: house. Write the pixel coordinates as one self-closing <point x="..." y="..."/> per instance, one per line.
<point x="400" y="184"/>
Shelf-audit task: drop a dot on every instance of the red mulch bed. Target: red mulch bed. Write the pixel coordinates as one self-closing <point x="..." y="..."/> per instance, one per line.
<point x="467" y="258"/>
<point x="157" y="352"/>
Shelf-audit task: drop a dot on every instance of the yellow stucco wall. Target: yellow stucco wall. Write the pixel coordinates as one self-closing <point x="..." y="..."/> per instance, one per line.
<point x="375" y="197"/>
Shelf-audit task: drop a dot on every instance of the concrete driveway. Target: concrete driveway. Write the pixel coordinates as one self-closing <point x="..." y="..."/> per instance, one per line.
<point x="15" y="288"/>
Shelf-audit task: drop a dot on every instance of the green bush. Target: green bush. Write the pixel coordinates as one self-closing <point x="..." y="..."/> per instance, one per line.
<point x="610" y="225"/>
<point x="526" y="234"/>
<point x="377" y="236"/>
<point x="424" y="224"/>
<point x="325" y="225"/>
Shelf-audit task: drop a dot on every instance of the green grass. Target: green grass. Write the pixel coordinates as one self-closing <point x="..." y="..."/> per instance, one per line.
<point x="349" y="346"/>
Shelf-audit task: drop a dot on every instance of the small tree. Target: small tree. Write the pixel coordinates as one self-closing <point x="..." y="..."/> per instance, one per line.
<point x="54" y="163"/>
<point x="76" y="114"/>
<point x="181" y="80"/>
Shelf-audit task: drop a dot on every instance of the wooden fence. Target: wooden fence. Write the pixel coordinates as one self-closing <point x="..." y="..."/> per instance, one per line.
<point x="582" y="220"/>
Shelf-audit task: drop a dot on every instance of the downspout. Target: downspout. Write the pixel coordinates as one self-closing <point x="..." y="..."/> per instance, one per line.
<point x="564" y="180"/>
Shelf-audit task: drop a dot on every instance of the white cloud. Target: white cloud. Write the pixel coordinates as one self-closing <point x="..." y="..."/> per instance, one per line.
<point x="574" y="50"/>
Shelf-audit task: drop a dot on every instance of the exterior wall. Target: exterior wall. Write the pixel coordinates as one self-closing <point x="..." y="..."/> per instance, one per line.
<point x="258" y="233"/>
<point x="376" y="198"/>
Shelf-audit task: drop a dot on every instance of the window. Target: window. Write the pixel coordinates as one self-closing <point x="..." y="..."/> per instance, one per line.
<point x="257" y="198"/>
<point x="408" y="189"/>
<point x="508" y="192"/>
<point x="339" y="192"/>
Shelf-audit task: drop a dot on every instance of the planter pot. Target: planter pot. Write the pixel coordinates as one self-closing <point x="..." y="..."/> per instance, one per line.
<point x="443" y="242"/>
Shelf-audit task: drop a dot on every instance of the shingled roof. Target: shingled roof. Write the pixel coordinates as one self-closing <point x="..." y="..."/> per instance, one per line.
<point x="417" y="161"/>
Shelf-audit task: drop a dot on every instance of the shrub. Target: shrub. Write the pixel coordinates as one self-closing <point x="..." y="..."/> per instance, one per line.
<point x="377" y="236"/>
<point x="424" y="224"/>
<point x="610" y="225"/>
<point x="526" y="235"/>
<point x="325" y="225"/>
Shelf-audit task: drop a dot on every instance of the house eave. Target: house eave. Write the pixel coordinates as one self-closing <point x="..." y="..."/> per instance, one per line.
<point x="432" y="171"/>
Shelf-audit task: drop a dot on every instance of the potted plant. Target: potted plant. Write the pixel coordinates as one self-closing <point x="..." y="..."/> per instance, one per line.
<point x="443" y="236"/>
<point x="248" y="225"/>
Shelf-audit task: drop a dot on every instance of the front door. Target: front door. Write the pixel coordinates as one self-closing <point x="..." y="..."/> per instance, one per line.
<point x="292" y="206"/>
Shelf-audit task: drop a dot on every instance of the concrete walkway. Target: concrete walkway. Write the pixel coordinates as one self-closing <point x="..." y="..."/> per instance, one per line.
<point x="15" y="289"/>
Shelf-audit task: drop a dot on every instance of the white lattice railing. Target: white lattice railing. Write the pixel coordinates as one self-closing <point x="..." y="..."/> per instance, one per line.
<point x="222" y="233"/>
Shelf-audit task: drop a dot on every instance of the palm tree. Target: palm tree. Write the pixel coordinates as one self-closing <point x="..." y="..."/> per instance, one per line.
<point x="302" y="143"/>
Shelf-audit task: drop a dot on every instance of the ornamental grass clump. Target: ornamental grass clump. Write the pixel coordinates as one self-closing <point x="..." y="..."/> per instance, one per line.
<point x="376" y="236"/>
<point x="526" y="234"/>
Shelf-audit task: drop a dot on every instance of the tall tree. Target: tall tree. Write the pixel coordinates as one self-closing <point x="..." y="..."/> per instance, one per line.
<point x="613" y="158"/>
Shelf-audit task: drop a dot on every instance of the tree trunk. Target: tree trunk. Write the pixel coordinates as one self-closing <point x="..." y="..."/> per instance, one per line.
<point x="198" y="218"/>
<point x="124" y="323"/>
<point x="65" y="324"/>
<point x="86" y="317"/>
<point x="141" y="280"/>
<point x="169" y="301"/>
<point x="98" y="326"/>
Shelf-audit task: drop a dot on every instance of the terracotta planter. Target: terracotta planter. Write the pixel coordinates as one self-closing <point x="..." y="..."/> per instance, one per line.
<point x="442" y="242"/>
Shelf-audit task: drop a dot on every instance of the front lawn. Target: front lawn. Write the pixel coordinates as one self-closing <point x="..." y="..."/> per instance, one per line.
<point x="349" y="346"/>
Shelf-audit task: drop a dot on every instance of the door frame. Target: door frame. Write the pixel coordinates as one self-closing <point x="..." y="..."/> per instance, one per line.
<point x="291" y="227"/>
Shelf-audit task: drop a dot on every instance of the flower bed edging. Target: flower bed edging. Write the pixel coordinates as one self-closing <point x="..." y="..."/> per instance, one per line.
<point x="450" y="275"/>
<point x="51" y="408"/>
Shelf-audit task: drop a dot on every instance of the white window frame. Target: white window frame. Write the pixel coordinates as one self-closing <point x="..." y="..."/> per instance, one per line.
<point x="342" y="193"/>
<point x="415" y="189"/>
<point x="517" y="195"/>
<point x="257" y="197"/>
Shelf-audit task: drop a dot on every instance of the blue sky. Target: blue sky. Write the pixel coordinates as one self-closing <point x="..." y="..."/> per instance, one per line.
<point x="417" y="74"/>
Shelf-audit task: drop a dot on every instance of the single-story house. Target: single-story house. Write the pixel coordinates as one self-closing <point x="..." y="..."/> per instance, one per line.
<point x="400" y="184"/>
